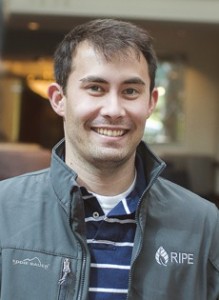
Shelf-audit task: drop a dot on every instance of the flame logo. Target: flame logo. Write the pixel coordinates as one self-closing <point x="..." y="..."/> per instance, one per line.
<point x="162" y="257"/>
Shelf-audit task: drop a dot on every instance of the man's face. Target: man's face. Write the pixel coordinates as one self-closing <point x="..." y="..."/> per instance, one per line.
<point x="106" y="106"/>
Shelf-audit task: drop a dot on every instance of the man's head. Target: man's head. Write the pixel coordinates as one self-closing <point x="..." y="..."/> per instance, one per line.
<point x="104" y="91"/>
<point x="109" y="38"/>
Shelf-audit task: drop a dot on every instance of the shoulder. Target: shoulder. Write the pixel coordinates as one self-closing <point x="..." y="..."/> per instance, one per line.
<point x="171" y="193"/>
<point x="27" y="183"/>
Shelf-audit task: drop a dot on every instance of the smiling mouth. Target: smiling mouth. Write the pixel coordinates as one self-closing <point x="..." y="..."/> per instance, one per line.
<point x="110" y="132"/>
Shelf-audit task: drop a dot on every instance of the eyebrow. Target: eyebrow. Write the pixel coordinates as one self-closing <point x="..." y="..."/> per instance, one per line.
<point x="133" y="80"/>
<point x="93" y="79"/>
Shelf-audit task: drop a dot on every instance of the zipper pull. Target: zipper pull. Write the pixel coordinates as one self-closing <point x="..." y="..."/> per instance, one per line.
<point x="66" y="271"/>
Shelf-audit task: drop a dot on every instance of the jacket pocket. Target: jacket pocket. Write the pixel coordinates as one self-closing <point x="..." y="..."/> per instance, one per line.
<point x="31" y="275"/>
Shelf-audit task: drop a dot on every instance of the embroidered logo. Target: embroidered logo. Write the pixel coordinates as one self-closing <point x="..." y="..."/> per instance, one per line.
<point x="33" y="262"/>
<point x="163" y="258"/>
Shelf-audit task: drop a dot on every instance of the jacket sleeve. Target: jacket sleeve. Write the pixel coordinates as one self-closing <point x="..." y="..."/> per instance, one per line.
<point x="213" y="276"/>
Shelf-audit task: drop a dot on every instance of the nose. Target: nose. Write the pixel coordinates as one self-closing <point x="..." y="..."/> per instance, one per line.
<point x="113" y="106"/>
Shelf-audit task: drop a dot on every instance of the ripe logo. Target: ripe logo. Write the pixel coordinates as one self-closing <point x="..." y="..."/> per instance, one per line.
<point x="163" y="258"/>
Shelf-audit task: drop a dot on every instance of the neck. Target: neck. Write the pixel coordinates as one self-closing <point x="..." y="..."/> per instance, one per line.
<point x="106" y="179"/>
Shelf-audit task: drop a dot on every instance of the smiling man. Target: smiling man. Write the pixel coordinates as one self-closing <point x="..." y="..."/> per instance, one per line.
<point x="101" y="219"/>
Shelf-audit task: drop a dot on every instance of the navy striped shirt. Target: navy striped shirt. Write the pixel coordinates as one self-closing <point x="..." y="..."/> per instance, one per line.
<point x="110" y="240"/>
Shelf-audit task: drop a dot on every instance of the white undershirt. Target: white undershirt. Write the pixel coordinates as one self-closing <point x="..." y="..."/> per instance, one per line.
<point x="107" y="203"/>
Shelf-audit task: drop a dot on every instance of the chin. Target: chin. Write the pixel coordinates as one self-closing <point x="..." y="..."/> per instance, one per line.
<point x="111" y="156"/>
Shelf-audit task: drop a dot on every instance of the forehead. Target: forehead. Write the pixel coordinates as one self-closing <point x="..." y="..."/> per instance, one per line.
<point x="87" y="56"/>
<point x="106" y="52"/>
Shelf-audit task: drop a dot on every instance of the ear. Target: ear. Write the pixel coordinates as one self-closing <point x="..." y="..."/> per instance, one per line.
<point x="56" y="98"/>
<point x="153" y="101"/>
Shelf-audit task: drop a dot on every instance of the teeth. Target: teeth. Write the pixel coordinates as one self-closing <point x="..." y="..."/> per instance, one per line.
<point x="110" y="132"/>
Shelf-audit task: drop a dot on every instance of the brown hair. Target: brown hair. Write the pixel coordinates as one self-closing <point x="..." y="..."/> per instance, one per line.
<point x="108" y="37"/>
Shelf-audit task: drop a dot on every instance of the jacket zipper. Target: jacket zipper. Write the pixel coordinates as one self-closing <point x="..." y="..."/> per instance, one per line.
<point x="66" y="270"/>
<point x="137" y="252"/>
<point x="81" y="244"/>
<point x="137" y="222"/>
<point x="83" y="276"/>
<point x="82" y="280"/>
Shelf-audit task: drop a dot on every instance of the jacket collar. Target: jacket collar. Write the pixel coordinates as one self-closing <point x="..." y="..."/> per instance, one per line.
<point x="63" y="178"/>
<point x="151" y="164"/>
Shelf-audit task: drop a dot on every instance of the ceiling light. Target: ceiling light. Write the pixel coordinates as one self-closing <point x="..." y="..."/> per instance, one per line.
<point x="33" y="26"/>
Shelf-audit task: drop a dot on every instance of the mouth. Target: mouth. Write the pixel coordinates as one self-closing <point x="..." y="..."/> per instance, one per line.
<point x="110" y="132"/>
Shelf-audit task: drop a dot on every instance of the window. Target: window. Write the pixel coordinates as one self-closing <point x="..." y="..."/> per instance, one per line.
<point x="166" y="124"/>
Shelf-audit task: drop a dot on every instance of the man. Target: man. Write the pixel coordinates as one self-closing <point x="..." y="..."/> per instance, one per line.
<point x="100" y="223"/>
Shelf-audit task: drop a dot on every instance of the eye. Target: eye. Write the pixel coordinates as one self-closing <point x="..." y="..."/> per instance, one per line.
<point x="95" y="89"/>
<point x="130" y="93"/>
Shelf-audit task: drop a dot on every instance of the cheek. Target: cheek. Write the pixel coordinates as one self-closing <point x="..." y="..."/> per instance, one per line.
<point x="80" y="113"/>
<point x="138" y="113"/>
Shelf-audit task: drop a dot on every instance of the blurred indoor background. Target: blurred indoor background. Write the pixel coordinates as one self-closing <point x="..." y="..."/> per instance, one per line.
<point x="183" y="130"/>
